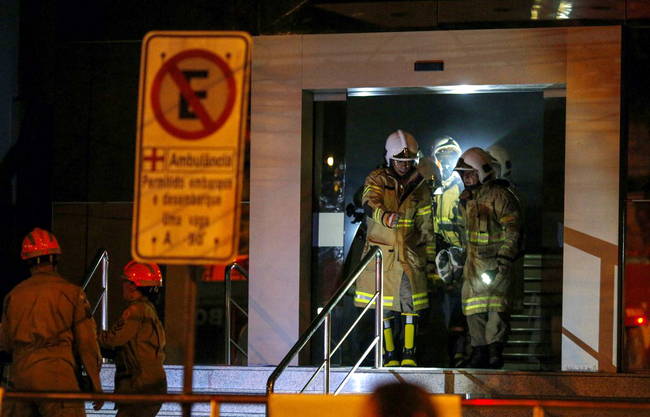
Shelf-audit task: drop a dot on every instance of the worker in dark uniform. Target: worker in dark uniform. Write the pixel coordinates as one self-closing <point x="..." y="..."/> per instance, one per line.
<point x="48" y="327"/>
<point x="137" y="340"/>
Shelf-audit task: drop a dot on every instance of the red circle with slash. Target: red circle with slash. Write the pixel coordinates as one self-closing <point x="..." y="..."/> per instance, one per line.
<point x="209" y="123"/>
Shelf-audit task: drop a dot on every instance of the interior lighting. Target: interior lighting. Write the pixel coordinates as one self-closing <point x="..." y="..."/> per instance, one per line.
<point x="564" y="9"/>
<point x="640" y="320"/>
<point x="534" y="11"/>
<point x="463" y="89"/>
<point x="330" y="161"/>
<point x="486" y="278"/>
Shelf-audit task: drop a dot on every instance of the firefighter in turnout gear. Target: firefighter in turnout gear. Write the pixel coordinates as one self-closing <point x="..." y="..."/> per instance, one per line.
<point x="136" y="341"/>
<point x="490" y="216"/>
<point x="446" y="152"/>
<point x="397" y="202"/>
<point x="48" y="326"/>
<point x="503" y="169"/>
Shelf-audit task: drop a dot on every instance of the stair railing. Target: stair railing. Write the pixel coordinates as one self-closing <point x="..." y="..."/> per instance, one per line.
<point x="324" y="317"/>
<point x="101" y="258"/>
<point x="229" y="302"/>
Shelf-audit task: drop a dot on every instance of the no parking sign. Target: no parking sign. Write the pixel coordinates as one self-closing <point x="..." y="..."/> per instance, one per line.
<point x="192" y="113"/>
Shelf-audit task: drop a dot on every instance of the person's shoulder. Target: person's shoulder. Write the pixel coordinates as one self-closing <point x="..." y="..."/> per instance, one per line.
<point x="380" y="174"/>
<point x="144" y="305"/>
<point x="136" y="308"/>
<point x="380" y="171"/>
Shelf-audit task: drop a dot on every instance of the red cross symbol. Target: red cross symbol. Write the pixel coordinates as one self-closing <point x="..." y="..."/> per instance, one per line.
<point x="153" y="158"/>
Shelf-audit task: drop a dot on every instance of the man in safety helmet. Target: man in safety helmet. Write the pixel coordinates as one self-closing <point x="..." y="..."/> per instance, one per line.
<point x="397" y="202"/>
<point x="490" y="216"/>
<point x="48" y="327"/>
<point x="449" y="255"/>
<point x="502" y="165"/>
<point x="137" y="340"/>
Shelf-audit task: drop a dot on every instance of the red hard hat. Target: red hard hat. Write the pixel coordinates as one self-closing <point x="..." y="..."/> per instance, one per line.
<point x="39" y="242"/>
<point x="143" y="274"/>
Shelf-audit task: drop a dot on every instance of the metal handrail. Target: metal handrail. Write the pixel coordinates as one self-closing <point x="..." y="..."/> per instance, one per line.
<point x="538" y="406"/>
<point x="324" y="315"/>
<point x="229" y="302"/>
<point x="100" y="258"/>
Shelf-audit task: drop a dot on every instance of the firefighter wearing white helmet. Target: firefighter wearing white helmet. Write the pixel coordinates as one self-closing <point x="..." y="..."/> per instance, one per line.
<point x="137" y="340"/>
<point x="47" y="326"/>
<point x="397" y="202"/>
<point x="502" y="158"/>
<point x="503" y="168"/>
<point x="490" y="216"/>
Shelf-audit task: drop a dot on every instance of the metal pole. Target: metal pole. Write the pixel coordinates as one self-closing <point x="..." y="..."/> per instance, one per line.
<point x="214" y="409"/>
<point x="227" y="307"/>
<point x="379" y="311"/>
<point x="105" y="297"/>
<point x="326" y="349"/>
<point x="190" y="320"/>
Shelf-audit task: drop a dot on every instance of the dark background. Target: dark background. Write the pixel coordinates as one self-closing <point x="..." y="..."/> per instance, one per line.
<point x="514" y="121"/>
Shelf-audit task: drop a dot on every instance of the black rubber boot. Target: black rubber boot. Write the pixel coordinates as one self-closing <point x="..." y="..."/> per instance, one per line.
<point x="496" y="355"/>
<point x="479" y="357"/>
<point x="456" y="349"/>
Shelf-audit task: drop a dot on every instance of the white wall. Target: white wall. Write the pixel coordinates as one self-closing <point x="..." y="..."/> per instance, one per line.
<point x="591" y="199"/>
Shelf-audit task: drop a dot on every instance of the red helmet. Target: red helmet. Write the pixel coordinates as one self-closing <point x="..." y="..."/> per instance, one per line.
<point x="143" y="274"/>
<point x="39" y="242"/>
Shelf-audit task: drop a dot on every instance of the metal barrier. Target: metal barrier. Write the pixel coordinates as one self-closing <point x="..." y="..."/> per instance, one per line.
<point x="229" y="302"/>
<point x="324" y="317"/>
<point x="538" y="406"/>
<point x="214" y="400"/>
<point x="100" y="258"/>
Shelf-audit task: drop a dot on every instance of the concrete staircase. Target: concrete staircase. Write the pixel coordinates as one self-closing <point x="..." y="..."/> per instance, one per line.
<point x="534" y="342"/>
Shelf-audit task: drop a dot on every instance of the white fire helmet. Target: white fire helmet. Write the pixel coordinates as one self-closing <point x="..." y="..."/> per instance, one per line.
<point x="503" y="158"/>
<point x="476" y="159"/>
<point x="401" y="146"/>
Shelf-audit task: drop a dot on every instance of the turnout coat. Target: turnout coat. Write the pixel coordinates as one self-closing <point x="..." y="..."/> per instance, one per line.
<point x="407" y="247"/>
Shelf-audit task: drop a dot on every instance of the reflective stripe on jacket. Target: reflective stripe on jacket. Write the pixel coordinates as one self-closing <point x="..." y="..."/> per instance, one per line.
<point x="406" y="247"/>
<point x="445" y="218"/>
<point x="491" y="221"/>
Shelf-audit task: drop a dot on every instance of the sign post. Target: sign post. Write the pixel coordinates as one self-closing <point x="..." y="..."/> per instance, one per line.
<point x="192" y="115"/>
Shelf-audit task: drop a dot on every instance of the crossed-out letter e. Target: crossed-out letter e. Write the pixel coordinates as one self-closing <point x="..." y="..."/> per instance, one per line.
<point x="184" y="111"/>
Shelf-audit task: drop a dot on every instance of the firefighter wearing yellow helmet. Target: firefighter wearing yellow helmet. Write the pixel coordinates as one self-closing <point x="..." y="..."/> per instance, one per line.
<point x="490" y="216"/>
<point x="446" y="153"/>
<point x="397" y="203"/>
<point x="136" y="341"/>
<point x="47" y="326"/>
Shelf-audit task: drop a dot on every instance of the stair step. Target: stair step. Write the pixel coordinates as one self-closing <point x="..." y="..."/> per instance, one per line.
<point x="526" y="355"/>
<point x="528" y="342"/>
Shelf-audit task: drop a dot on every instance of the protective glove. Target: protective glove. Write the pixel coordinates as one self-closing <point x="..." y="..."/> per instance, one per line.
<point x="390" y="219"/>
<point x="503" y="266"/>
